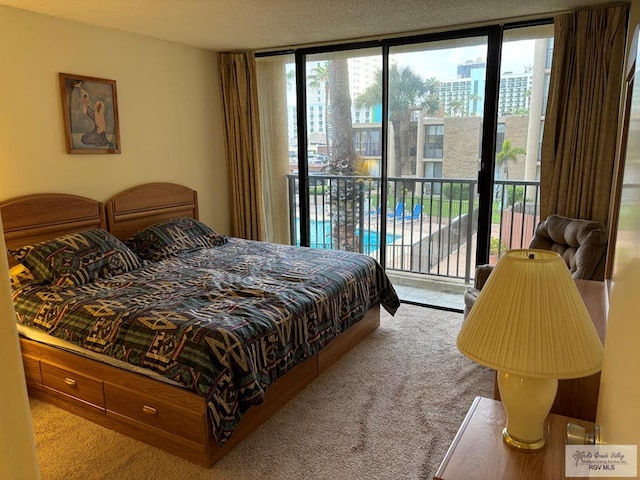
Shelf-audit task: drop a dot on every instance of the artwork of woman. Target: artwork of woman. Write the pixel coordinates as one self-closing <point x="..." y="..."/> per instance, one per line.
<point x="90" y="108"/>
<point x="98" y="136"/>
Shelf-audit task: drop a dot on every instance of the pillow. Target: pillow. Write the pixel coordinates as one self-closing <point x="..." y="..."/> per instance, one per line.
<point x="20" y="276"/>
<point x="170" y="237"/>
<point x="77" y="258"/>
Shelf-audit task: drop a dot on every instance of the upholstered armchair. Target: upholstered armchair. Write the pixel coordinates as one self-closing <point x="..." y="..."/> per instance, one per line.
<point x="581" y="243"/>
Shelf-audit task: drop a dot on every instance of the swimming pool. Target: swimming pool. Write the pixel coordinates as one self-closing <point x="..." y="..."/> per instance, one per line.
<point x="320" y="236"/>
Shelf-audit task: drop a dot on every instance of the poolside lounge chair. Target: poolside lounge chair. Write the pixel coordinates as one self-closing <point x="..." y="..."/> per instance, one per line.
<point x="416" y="214"/>
<point x="398" y="213"/>
<point x="375" y="211"/>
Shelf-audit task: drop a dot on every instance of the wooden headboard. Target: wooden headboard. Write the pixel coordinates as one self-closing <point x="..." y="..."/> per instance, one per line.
<point x="143" y="205"/>
<point x="43" y="216"/>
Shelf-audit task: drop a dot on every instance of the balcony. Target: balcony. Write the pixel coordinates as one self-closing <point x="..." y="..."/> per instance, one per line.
<point x="429" y="227"/>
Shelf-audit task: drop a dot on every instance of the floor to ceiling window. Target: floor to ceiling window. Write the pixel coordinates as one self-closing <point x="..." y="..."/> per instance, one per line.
<point x="343" y="149"/>
<point x="422" y="152"/>
<point x="522" y="99"/>
<point x="437" y="90"/>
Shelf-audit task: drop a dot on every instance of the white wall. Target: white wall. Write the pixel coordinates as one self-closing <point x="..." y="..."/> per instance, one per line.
<point x="619" y="401"/>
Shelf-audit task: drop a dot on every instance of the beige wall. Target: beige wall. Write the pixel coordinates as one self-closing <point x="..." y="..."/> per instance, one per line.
<point x="170" y="127"/>
<point x="460" y="158"/>
<point x="169" y="103"/>
<point x="516" y="129"/>
<point x="17" y="450"/>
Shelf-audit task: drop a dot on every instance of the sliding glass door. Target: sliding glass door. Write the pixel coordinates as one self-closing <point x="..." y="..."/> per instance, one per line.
<point x="437" y="92"/>
<point x="422" y="152"/>
<point x="343" y="150"/>
<point x="522" y="99"/>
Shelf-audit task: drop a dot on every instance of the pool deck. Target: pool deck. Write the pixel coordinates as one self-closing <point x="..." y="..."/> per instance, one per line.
<point x="428" y="288"/>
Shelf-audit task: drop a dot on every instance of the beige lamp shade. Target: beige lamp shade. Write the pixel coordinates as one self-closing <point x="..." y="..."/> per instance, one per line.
<point x="530" y="320"/>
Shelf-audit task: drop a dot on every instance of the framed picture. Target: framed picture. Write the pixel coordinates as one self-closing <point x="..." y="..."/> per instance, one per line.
<point x="90" y="108"/>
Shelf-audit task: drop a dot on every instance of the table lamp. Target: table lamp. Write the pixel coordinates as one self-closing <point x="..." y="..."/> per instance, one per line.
<point x="532" y="326"/>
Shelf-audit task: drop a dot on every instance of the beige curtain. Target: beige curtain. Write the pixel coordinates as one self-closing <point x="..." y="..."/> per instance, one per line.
<point x="580" y="131"/>
<point x="242" y="143"/>
<point x="272" y="92"/>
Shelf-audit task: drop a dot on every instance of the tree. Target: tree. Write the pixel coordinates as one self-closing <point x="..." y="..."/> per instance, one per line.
<point x="291" y="78"/>
<point x="508" y="154"/>
<point x="431" y="102"/>
<point x="407" y="92"/>
<point x="320" y="78"/>
<point x="475" y="98"/>
<point x="456" y="106"/>
<point x="345" y="209"/>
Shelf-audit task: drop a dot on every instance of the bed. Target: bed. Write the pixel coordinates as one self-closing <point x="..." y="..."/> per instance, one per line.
<point x="216" y="338"/>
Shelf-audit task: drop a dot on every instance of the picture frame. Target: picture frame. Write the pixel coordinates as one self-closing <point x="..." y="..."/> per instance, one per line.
<point x="90" y="110"/>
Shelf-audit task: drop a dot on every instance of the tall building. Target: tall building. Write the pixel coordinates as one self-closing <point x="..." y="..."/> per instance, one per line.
<point x="464" y="96"/>
<point x="464" y="70"/>
<point x="515" y="92"/>
<point x="445" y="147"/>
<point x="362" y="73"/>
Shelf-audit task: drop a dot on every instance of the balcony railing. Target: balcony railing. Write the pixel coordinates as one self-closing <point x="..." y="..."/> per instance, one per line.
<point x="430" y="224"/>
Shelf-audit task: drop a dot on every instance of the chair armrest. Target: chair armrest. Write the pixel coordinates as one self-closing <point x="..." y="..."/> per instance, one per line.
<point x="482" y="273"/>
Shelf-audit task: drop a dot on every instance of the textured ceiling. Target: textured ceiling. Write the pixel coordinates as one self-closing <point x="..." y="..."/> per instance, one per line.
<point x="264" y="24"/>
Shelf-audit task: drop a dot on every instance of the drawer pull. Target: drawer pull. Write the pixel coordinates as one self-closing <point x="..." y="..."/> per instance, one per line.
<point x="70" y="381"/>
<point x="146" y="409"/>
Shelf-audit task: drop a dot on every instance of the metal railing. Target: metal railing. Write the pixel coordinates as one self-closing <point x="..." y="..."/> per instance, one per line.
<point x="429" y="224"/>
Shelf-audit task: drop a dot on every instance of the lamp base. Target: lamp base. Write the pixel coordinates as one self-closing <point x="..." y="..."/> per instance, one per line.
<point x="527" y="402"/>
<point x="520" y="445"/>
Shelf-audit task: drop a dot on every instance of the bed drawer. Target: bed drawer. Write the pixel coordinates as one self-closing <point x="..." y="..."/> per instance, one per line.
<point x="32" y="371"/>
<point x="166" y="416"/>
<point x="80" y="387"/>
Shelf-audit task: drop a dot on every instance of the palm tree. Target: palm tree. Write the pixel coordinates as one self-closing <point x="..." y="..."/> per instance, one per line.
<point x="431" y="84"/>
<point x="320" y="77"/>
<point x="407" y="91"/>
<point x="345" y="209"/>
<point x="431" y="102"/>
<point x="291" y="77"/>
<point x="475" y="98"/>
<point x="456" y="107"/>
<point x="508" y="154"/>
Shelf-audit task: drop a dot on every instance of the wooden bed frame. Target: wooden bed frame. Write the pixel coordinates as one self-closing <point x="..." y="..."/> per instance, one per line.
<point x="152" y="411"/>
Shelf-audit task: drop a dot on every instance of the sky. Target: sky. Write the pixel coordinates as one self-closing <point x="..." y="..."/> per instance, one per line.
<point x="443" y="64"/>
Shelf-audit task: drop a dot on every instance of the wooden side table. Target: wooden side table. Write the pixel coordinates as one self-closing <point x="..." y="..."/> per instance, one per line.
<point x="478" y="453"/>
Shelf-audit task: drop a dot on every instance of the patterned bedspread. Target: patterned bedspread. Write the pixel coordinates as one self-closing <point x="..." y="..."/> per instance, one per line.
<point x="225" y="322"/>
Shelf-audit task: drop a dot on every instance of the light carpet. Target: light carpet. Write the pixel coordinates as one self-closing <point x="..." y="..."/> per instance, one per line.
<point x="387" y="410"/>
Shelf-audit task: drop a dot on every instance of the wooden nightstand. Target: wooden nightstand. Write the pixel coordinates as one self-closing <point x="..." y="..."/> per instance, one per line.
<point x="478" y="453"/>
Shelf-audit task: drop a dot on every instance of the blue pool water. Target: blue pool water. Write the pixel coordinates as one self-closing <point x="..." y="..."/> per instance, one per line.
<point x="321" y="237"/>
